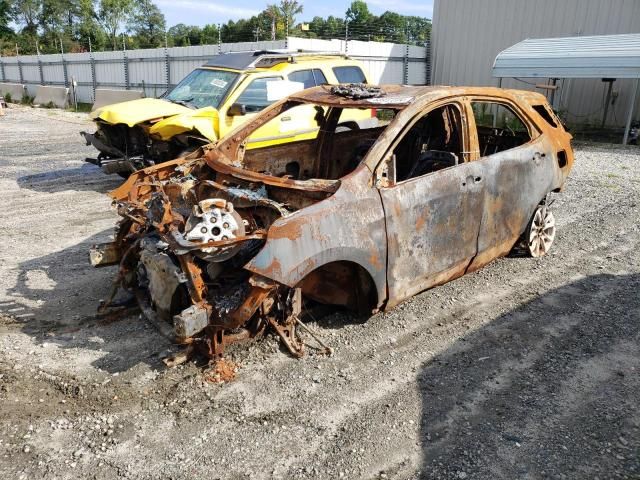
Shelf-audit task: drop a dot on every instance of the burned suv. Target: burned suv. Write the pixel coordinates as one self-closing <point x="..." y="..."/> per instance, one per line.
<point x="227" y="243"/>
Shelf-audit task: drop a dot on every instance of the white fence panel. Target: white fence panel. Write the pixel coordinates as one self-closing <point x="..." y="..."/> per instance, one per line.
<point x="154" y="70"/>
<point x="417" y="73"/>
<point x="316" y="44"/>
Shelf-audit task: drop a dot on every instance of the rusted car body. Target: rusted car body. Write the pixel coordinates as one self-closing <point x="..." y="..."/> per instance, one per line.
<point x="229" y="242"/>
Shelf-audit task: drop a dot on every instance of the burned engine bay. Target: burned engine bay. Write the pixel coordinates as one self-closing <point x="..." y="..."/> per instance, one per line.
<point x="187" y="229"/>
<point x="191" y="227"/>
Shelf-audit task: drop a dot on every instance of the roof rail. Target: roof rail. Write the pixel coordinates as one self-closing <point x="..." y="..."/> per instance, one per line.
<point x="249" y="60"/>
<point x="290" y="57"/>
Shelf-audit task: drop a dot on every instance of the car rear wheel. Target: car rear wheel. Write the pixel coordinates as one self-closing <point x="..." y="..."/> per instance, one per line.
<point x="541" y="232"/>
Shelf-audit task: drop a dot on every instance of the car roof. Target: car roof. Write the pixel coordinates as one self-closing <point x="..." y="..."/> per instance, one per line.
<point x="251" y="60"/>
<point x="400" y="96"/>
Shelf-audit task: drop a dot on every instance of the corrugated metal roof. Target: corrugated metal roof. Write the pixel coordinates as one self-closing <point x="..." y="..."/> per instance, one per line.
<point x="598" y="56"/>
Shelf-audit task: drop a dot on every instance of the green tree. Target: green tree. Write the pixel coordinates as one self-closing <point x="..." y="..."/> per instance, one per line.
<point x="418" y="30"/>
<point x="209" y="35"/>
<point x="6" y="32"/>
<point x="89" y="32"/>
<point x="112" y="15"/>
<point x="182" y="35"/>
<point x="57" y="25"/>
<point x="27" y="13"/>
<point x="288" y="11"/>
<point x="360" y="20"/>
<point x="390" y="27"/>
<point x="147" y="24"/>
<point x="273" y="14"/>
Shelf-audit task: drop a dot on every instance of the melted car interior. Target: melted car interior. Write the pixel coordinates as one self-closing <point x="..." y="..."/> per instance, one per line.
<point x="499" y="128"/>
<point x="327" y="145"/>
<point x="334" y="149"/>
<point x="433" y="143"/>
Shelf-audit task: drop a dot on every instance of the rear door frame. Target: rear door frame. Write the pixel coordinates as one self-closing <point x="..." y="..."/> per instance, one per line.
<point x="508" y="207"/>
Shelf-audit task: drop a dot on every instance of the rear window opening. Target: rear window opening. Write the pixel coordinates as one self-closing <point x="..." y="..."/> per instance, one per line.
<point x="544" y="113"/>
<point x="499" y="128"/>
<point x="349" y="75"/>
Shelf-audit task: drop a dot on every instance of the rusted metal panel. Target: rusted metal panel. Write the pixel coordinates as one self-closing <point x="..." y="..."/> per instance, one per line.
<point x="348" y="226"/>
<point x="432" y="226"/>
<point x="104" y="254"/>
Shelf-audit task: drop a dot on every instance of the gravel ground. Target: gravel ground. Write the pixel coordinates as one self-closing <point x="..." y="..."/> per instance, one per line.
<point x="526" y="369"/>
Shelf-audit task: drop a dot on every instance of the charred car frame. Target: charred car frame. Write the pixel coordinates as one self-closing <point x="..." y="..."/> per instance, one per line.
<point x="228" y="242"/>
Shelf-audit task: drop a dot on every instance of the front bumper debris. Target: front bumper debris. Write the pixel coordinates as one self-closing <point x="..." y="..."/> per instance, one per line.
<point x="110" y="160"/>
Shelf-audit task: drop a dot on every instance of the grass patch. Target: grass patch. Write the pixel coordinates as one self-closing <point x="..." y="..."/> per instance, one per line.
<point x="611" y="186"/>
<point x="82" y="107"/>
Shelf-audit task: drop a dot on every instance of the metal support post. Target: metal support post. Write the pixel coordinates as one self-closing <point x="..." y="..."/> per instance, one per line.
<point x="64" y="72"/>
<point x="167" y="68"/>
<point x="125" y="64"/>
<point x="607" y="102"/>
<point x="346" y="37"/>
<point x="286" y="34"/>
<point x="4" y="78"/>
<point x="19" y="64"/>
<point x="40" y="70"/>
<point x="632" y="105"/>
<point x="94" y="83"/>
<point x="427" y="62"/>
<point x="405" y="65"/>
<point x="554" y="82"/>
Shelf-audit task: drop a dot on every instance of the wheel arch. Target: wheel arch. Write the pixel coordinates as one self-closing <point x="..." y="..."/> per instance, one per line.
<point x="342" y="282"/>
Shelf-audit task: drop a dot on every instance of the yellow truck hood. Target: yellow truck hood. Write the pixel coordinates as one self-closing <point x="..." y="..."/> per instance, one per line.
<point x="204" y="120"/>
<point x="134" y="112"/>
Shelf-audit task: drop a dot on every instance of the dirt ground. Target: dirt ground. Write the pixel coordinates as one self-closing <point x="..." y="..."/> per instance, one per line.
<point x="527" y="369"/>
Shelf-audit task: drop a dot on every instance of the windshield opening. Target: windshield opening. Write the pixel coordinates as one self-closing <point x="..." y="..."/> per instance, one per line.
<point x="306" y="141"/>
<point x="203" y="88"/>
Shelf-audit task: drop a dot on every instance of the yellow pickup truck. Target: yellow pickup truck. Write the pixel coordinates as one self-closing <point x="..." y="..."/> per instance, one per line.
<point x="212" y="100"/>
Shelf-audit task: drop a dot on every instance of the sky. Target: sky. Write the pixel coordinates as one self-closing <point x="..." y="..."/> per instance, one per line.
<point x="202" y="12"/>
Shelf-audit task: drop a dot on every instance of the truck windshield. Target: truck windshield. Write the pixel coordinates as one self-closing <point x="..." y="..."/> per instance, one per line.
<point x="203" y="88"/>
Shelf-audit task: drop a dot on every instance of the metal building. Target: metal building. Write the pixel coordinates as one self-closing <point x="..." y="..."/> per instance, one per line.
<point x="468" y="35"/>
